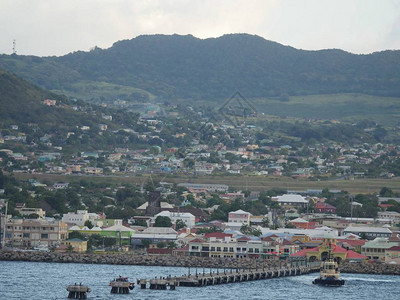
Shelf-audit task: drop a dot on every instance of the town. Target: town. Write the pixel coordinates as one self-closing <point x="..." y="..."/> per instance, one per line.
<point x="86" y="201"/>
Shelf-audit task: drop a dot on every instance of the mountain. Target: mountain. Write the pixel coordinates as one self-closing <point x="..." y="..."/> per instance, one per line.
<point x="175" y="66"/>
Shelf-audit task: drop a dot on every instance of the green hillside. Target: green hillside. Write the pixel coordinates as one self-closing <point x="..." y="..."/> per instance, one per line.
<point x="22" y="102"/>
<point x="185" y="67"/>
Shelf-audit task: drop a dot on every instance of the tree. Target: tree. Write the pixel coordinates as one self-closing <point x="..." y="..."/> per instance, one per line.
<point x="179" y="224"/>
<point x="146" y="243"/>
<point x="33" y="216"/>
<point x="162" y="221"/>
<point x="76" y="235"/>
<point x="70" y="248"/>
<point x="265" y="222"/>
<point x="161" y="245"/>
<point x="171" y="245"/>
<point x="386" y="192"/>
<point x="88" y="224"/>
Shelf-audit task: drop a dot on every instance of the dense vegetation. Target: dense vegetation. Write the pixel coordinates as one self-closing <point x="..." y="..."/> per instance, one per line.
<point x="186" y="67"/>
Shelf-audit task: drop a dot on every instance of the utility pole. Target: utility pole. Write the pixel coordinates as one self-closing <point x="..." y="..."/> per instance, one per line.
<point x="3" y="243"/>
<point x="14" y="48"/>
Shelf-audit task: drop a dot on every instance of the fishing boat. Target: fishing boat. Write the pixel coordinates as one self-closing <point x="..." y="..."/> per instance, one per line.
<point x="329" y="272"/>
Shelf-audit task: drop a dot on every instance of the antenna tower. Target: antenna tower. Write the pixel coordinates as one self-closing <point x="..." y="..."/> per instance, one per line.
<point x="14" y="50"/>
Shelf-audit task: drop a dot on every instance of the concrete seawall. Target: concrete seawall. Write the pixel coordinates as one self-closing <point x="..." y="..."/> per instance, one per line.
<point x="179" y="261"/>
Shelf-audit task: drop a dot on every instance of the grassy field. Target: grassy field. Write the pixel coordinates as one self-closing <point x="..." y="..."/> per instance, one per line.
<point x="344" y="107"/>
<point x="104" y="90"/>
<point x="254" y="183"/>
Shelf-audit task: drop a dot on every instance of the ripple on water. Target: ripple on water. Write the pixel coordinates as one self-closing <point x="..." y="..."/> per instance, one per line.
<point x="26" y="280"/>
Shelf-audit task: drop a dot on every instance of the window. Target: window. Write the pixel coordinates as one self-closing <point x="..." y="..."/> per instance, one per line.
<point x="44" y="236"/>
<point x="195" y="247"/>
<point x="218" y="248"/>
<point x="230" y="249"/>
<point x="26" y="235"/>
<point x="257" y="250"/>
<point x="212" y="248"/>
<point x="250" y="250"/>
<point x="225" y="249"/>
<point x="237" y="249"/>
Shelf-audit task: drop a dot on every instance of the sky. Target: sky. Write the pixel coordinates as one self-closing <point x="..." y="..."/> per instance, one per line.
<point x="58" y="27"/>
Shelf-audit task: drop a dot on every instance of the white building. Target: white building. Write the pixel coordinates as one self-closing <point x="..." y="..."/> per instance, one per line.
<point x="239" y="218"/>
<point x="291" y="199"/>
<point x="26" y="211"/>
<point x="187" y="218"/>
<point x="393" y="216"/>
<point x="370" y="232"/>
<point x="80" y="217"/>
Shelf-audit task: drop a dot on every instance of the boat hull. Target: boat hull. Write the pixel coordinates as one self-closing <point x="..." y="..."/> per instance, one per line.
<point x="329" y="281"/>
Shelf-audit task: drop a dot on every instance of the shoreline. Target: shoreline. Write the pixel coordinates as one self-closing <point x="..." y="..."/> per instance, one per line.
<point x="179" y="261"/>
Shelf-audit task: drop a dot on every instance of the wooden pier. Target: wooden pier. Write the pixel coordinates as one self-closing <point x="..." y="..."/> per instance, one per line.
<point x="227" y="276"/>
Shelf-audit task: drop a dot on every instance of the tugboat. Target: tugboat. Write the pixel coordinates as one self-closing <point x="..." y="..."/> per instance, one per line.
<point x="329" y="272"/>
<point x="121" y="285"/>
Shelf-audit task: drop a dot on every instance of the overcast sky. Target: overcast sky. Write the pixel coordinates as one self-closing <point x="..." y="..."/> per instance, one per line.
<point x="57" y="27"/>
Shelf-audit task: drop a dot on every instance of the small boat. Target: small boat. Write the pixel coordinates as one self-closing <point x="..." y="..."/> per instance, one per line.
<point x="329" y="272"/>
<point x="121" y="285"/>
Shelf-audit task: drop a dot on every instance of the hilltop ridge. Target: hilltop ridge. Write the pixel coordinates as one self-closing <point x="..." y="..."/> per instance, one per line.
<point x="186" y="67"/>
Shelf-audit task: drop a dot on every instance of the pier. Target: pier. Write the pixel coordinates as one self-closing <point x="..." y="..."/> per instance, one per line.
<point x="226" y="276"/>
<point x="77" y="291"/>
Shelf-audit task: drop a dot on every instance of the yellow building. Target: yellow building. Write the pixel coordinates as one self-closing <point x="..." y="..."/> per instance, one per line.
<point x="320" y="253"/>
<point x="77" y="245"/>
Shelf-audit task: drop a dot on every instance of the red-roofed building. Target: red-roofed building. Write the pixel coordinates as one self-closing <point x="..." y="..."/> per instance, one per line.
<point x="392" y="255"/>
<point x="351" y="244"/>
<point x="321" y="252"/>
<point x="325" y="208"/>
<point x="217" y="235"/>
<point x="287" y="248"/>
<point x="181" y="251"/>
<point x="385" y="206"/>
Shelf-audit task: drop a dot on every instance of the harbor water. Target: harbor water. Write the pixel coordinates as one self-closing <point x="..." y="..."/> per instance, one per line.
<point x="29" y="280"/>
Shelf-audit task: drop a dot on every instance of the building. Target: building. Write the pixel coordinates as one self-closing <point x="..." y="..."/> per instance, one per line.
<point x="291" y="200"/>
<point x="369" y="232"/>
<point x="80" y="217"/>
<point x="226" y="246"/>
<point x="26" y="211"/>
<point x="376" y="249"/>
<point x="29" y="233"/>
<point x="299" y="223"/>
<point x="392" y="255"/>
<point x="154" y="204"/>
<point x="77" y="245"/>
<point x="393" y="216"/>
<point x="61" y="185"/>
<point x="153" y="235"/>
<point x="187" y="218"/>
<point x="321" y="252"/>
<point x="239" y="217"/>
<point x="325" y="208"/>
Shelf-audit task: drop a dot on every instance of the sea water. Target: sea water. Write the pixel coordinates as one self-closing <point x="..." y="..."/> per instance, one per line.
<point x="30" y="280"/>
